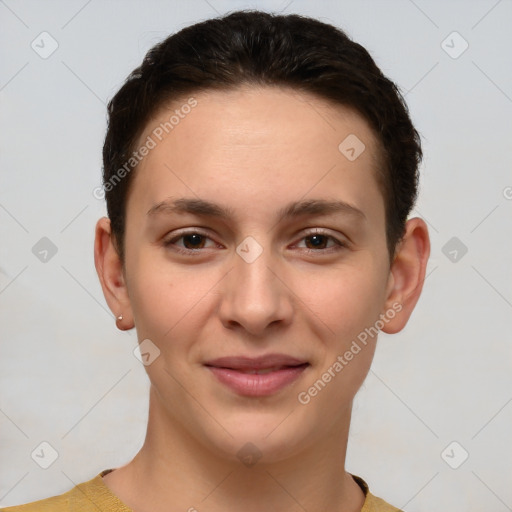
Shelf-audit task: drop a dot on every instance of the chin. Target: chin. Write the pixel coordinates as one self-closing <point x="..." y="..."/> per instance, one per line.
<point x="264" y="438"/>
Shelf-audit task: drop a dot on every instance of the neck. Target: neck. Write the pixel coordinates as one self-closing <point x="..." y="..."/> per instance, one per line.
<point x="173" y="471"/>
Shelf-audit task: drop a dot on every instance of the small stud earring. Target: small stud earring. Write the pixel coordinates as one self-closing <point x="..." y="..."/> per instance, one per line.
<point x="120" y="317"/>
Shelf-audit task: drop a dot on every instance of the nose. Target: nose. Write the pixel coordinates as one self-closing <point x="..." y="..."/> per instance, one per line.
<point x="256" y="296"/>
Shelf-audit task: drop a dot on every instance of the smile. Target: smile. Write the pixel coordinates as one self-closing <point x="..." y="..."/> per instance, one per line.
<point x="257" y="377"/>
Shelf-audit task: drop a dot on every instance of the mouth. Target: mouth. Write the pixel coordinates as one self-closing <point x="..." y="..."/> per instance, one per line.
<point x="263" y="371"/>
<point x="261" y="376"/>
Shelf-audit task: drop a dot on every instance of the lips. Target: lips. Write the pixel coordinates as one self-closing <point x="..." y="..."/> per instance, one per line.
<point x="260" y="376"/>
<point x="256" y="364"/>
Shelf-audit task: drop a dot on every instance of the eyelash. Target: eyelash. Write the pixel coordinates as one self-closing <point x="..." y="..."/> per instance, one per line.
<point x="195" y="252"/>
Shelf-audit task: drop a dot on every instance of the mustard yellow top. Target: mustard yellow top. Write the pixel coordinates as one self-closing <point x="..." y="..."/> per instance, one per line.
<point x="95" y="496"/>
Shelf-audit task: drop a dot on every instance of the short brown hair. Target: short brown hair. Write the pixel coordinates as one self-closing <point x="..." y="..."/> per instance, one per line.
<point x="254" y="47"/>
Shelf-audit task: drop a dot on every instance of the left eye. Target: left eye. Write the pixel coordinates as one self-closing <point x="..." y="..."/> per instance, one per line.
<point x="319" y="241"/>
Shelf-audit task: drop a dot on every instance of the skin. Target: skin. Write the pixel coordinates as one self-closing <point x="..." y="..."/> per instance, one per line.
<point x="254" y="150"/>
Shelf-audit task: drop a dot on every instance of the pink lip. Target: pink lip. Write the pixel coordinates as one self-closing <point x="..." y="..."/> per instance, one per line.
<point x="232" y="372"/>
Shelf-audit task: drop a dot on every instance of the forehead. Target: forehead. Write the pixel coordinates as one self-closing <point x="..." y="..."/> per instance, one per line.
<point x="265" y="140"/>
<point x="255" y="114"/>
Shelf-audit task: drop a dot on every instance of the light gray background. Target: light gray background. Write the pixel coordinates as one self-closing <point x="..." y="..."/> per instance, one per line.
<point x="69" y="378"/>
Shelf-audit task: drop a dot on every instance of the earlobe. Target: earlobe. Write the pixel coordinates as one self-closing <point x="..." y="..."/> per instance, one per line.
<point x="407" y="274"/>
<point x="110" y="273"/>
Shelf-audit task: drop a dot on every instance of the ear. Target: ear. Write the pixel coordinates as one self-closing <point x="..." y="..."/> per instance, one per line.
<point x="111" y="275"/>
<point x="407" y="274"/>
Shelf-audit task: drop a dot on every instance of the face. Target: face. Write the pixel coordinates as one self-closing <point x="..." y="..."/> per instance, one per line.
<point x="255" y="257"/>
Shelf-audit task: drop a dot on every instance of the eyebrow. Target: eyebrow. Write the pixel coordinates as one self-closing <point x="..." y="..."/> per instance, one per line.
<point x="205" y="208"/>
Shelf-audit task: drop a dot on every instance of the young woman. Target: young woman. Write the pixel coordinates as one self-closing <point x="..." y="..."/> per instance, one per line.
<point x="259" y="171"/>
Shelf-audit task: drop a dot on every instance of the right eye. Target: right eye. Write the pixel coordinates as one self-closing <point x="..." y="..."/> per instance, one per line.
<point x="188" y="242"/>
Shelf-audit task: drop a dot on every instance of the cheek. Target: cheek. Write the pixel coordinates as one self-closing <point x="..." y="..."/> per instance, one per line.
<point x="155" y="295"/>
<point x="343" y="301"/>
<point x="167" y="299"/>
<point x="348" y="302"/>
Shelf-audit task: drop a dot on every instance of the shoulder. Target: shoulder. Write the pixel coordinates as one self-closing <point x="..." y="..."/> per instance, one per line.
<point x="55" y="504"/>
<point x="373" y="503"/>
<point x="90" y="496"/>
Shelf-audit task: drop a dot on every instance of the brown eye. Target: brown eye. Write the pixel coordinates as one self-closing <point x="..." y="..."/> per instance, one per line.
<point x="189" y="242"/>
<point x="317" y="241"/>
<point x="193" y="241"/>
<point x="321" y="243"/>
